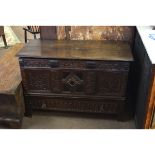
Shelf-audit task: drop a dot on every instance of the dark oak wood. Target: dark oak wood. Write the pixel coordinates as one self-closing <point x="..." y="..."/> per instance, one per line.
<point x="79" y="76"/>
<point x="72" y="49"/>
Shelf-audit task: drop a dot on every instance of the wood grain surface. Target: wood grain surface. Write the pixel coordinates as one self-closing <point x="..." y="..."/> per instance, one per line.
<point x="10" y="76"/>
<point x="69" y="49"/>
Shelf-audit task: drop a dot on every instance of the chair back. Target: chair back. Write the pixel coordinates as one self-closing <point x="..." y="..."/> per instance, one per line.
<point x="34" y="29"/>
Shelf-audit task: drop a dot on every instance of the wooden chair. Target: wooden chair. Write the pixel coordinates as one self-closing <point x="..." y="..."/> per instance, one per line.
<point x="31" y="29"/>
<point x="3" y="35"/>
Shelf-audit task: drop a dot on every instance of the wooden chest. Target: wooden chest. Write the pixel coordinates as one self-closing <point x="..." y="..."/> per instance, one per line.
<point x="78" y="76"/>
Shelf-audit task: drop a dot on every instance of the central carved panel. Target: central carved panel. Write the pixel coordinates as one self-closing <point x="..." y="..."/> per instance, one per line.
<point x="72" y="81"/>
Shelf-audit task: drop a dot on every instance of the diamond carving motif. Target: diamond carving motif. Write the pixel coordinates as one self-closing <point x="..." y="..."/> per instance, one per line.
<point x="72" y="81"/>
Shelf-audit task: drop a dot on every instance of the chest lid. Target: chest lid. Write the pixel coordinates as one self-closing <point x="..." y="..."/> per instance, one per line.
<point x="77" y="49"/>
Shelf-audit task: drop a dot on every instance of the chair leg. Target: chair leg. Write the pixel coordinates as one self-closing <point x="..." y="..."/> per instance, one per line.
<point x="35" y="36"/>
<point x="4" y="40"/>
<point x="25" y="33"/>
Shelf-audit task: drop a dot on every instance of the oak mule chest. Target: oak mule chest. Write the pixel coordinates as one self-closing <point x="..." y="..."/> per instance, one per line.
<point x="77" y="76"/>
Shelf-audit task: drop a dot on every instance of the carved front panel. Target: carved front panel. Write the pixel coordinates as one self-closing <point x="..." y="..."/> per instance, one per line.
<point x="76" y="105"/>
<point x="36" y="80"/>
<point x="89" y="82"/>
<point x="72" y="81"/>
<point x="100" y="78"/>
<point x="112" y="83"/>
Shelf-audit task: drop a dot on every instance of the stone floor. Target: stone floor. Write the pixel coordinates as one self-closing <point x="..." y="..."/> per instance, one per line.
<point x="57" y="120"/>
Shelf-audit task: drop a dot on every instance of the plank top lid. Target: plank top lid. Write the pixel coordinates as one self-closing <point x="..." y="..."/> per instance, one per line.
<point x="77" y="49"/>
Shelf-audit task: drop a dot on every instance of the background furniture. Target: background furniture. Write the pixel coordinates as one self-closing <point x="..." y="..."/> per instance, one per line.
<point x="153" y="119"/>
<point x="144" y="78"/>
<point x="12" y="107"/>
<point x="11" y="94"/>
<point x="78" y="76"/>
<point x="115" y="33"/>
<point x="48" y="32"/>
<point x="31" y="29"/>
<point x="2" y="34"/>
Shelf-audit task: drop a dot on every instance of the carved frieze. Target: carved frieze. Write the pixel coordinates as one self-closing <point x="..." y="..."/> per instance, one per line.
<point x="34" y="63"/>
<point x="74" y="64"/>
<point x="77" y="105"/>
